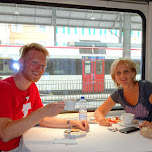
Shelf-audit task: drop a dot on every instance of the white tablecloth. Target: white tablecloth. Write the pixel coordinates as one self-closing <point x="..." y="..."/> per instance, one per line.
<point x="98" y="139"/>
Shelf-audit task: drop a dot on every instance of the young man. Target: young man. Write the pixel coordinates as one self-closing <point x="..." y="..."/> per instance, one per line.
<point x="20" y="104"/>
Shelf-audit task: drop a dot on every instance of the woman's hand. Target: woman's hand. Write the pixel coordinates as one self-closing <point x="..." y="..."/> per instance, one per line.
<point x="104" y="122"/>
<point x="82" y="125"/>
<point x="146" y="124"/>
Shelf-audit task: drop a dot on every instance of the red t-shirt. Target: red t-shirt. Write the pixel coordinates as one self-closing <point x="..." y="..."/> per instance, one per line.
<point x="16" y="104"/>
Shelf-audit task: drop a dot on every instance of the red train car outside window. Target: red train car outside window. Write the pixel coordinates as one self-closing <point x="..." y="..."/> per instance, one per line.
<point x="92" y="74"/>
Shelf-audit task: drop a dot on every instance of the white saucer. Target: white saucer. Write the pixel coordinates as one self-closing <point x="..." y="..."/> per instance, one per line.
<point x="135" y="123"/>
<point x="69" y="134"/>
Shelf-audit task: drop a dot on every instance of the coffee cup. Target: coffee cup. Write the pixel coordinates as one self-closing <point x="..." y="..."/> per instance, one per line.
<point x="127" y="118"/>
<point x="70" y="104"/>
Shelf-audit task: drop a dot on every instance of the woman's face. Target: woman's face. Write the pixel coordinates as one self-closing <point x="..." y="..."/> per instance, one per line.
<point x="123" y="75"/>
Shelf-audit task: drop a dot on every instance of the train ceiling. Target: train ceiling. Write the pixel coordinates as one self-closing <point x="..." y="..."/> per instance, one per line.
<point x="65" y="17"/>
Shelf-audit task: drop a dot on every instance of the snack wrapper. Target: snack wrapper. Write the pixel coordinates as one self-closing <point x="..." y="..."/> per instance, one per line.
<point x="114" y="119"/>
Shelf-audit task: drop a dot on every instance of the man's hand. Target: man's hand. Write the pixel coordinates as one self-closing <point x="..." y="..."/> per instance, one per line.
<point x="53" y="109"/>
<point x="82" y="125"/>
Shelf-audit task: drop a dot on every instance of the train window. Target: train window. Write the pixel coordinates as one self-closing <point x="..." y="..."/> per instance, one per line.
<point x="82" y="43"/>
<point x="85" y="51"/>
<point x="99" y="51"/>
<point x="7" y="67"/>
<point x="99" y="66"/>
<point x="63" y="67"/>
<point x="87" y="67"/>
<point x="1" y="65"/>
<point x="108" y="63"/>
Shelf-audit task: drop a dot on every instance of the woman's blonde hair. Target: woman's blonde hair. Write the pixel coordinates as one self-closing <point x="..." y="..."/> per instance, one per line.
<point x="129" y="63"/>
<point x="26" y="48"/>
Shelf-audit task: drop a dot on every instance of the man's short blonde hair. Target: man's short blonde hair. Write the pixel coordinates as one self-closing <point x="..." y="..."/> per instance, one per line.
<point x="129" y="63"/>
<point x="38" y="47"/>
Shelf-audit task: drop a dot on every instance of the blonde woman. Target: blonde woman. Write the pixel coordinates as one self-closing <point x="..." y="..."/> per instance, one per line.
<point x="134" y="96"/>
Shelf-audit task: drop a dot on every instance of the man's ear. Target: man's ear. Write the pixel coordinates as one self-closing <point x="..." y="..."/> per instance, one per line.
<point x="21" y="61"/>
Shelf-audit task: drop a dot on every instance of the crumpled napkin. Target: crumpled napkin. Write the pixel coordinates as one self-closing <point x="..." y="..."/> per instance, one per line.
<point x="65" y="141"/>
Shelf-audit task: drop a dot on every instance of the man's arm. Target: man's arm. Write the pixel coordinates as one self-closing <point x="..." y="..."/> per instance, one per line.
<point x="55" y="122"/>
<point x="11" y="129"/>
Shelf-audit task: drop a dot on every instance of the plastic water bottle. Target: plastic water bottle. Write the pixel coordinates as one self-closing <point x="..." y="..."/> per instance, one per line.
<point x="82" y="109"/>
